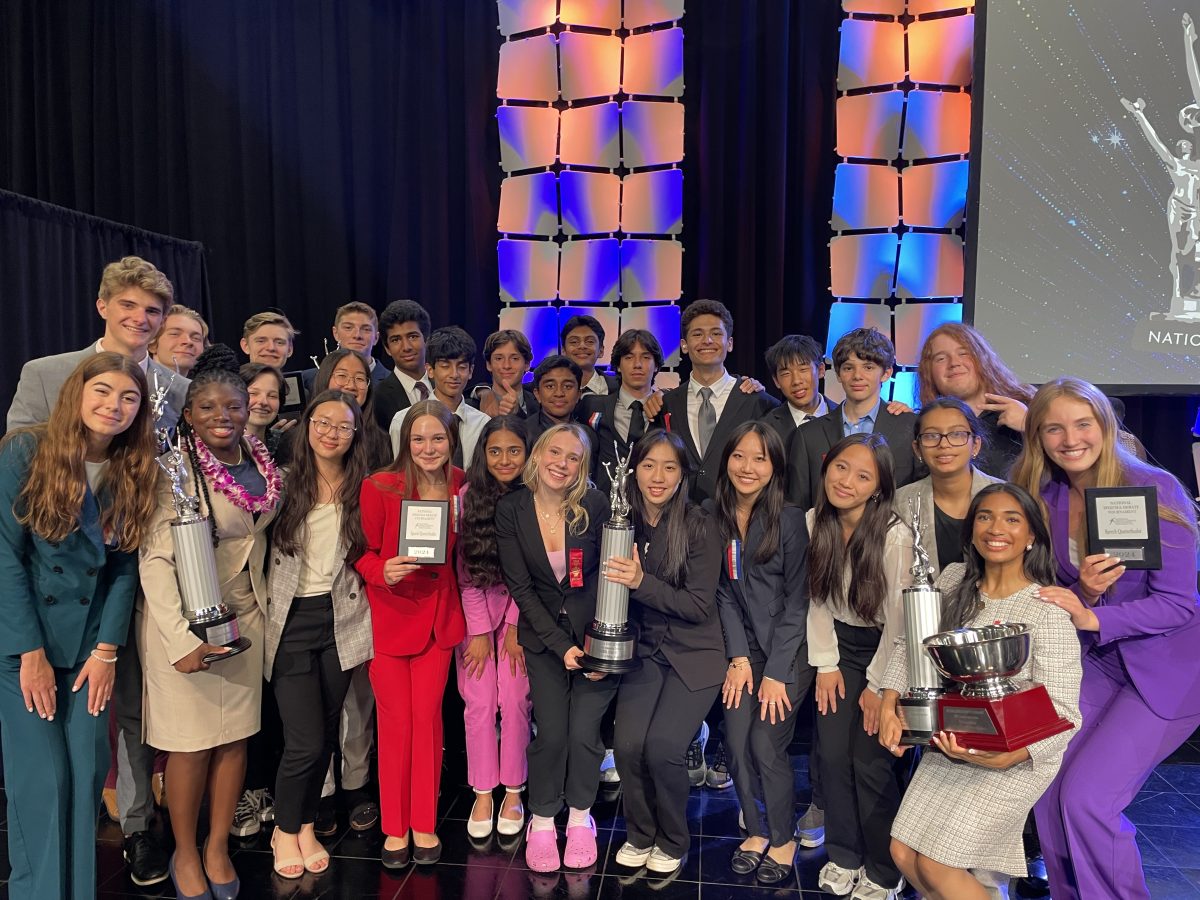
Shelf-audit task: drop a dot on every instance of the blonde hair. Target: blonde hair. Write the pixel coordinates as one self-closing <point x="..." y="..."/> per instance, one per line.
<point x="180" y="310"/>
<point x="1114" y="467"/>
<point x="356" y="306"/>
<point x="133" y="271"/>
<point x="994" y="376"/>
<point x="574" y="512"/>
<point x="258" y="320"/>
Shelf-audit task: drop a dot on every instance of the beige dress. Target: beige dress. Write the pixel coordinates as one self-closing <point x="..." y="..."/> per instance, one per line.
<point x="205" y="709"/>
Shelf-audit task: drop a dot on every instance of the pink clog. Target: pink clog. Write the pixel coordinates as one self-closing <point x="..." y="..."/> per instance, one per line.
<point x="581" y="845"/>
<point x="541" y="849"/>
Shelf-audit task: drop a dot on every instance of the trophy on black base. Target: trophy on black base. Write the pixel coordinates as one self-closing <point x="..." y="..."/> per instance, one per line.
<point x="922" y="618"/>
<point x="610" y="643"/>
<point x="207" y="615"/>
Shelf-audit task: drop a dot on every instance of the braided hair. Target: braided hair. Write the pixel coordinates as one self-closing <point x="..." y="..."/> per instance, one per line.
<point x="216" y="365"/>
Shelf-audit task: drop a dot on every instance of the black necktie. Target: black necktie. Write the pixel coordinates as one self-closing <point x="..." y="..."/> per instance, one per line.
<point x="637" y="423"/>
<point x="422" y="391"/>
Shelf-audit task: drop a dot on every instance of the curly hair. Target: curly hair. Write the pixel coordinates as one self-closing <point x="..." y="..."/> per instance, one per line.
<point x="477" y="541"/>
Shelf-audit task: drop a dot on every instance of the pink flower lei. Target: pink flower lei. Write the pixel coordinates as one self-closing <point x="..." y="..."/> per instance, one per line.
<point x="214" y="470"/>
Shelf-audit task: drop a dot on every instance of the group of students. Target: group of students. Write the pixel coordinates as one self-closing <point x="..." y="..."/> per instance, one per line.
<point x="772" y="543"/>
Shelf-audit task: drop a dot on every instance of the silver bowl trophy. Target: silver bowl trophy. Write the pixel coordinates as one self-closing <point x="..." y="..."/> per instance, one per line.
<point x="207" y="615"/>
<point x="922" y="618"/>
<point x="610" y="642"/>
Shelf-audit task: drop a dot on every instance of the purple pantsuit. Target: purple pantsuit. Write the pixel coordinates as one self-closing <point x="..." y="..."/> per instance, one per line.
<point x="1140" y="699"/>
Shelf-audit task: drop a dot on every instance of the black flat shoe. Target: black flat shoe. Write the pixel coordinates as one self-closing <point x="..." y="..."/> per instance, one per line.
<point x="745" y="861"/>
<point x="771" y="872"/>
<point x="427" y="856"/>
<point x="396" y="859"/>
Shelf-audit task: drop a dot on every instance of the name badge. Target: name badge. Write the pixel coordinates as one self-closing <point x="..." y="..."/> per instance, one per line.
<point x="733" y="560"/>
<point x="575" y="567"/>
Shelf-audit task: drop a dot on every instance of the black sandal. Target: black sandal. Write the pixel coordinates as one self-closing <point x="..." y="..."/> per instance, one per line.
<point x="745" y="861"/>
<point x="771" y="872"/>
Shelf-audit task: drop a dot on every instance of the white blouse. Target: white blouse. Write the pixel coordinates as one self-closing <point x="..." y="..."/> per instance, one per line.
<point x="321" y="528"/>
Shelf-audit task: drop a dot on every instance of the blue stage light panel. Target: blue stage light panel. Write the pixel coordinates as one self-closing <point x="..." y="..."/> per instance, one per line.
<point x="590" y="272"/>
<point x="651" y="270"/>
<point x="845" y="317"/>
<point x="528" y="204"/>
<point x="931" y="265"/>
<point x="591" y="136"/>
<point x="937" y="124"/>
<point x="528" y="136"/>
<point x="517" y="16"/>
<point x="871" y="54"/>
<point x="914" y="322"/>
<point x="609" y="318"/>
<point x="592" y="13"/>
<point x="528" y="69"/>
<point x="865" y="197"/>
<point x="935" y="195"/>
<point x="862" y="265"/>
<point x="590" y="63"/>
<point x="939" y="50"/>
<point x="639" y="13"/>
<point x="874" y="7"/>
<point x="868" y="125"/>
<point x="528" y="270"/>
<point x="538" y="323"/>
<point x="903" y="388"/>
<point x="591" y="202"/>
<point x="660" y="321"/>
<point x="651" y="133"/>
<point x="654" y="63"/>
<point x="652" y="202"/>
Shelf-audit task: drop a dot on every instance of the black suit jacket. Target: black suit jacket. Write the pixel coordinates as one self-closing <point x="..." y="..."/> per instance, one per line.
<point x="812" y="440"/>
<point x="683" y="623"/>
<point x="530" y="579"/>
<point x="390" y="398"/>
<point x="613" y="382"/>
<point x="739" y="408"/>
<point x="780" y="418"/>
<point x="600" y="413"/>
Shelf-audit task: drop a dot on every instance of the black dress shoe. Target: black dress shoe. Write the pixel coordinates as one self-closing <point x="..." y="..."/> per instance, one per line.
<point x="427" y="856"/>
<point x="745" y="861"/>
<point x="365" y="816"/>
<point x="146" y="859"/>
<point x="326" y="821"/>
<point x="771" y="872"/>
<point x="396" y="859"/>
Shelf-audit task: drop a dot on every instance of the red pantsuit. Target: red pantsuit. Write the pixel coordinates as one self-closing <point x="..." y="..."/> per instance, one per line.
<point x="416" y="624"/>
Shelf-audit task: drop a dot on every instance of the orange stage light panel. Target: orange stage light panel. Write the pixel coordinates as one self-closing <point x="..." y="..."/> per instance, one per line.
<point x="517" y="16"/>
<point x="651" y="133"/>
<point x="940" y="51"/>
<point x="528" y="69"/>
<point x="591" y="136"/>
<point x="654" y="63"/>
<point x="528" y="204"/>
<point x="592" y="13"/>
<point x="937" y="124"/>
<point x="871" y="54"/>
<point x="591" y="65"/>
<point x="868" y="125"/>
<point x="652" y="202"/>
<point x="639" y="13"/>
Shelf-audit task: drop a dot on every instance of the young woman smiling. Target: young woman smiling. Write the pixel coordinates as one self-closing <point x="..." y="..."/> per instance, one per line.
<point x="267" y="391"/>
<point x="672" y="579"/>
<point x="763" y="600"/>
<point x="491" y="662"/>
<point x="549" y="543"/>
<point x="348" y="370"/>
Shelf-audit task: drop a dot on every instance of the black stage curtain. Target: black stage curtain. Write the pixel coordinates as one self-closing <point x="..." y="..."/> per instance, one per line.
<point x="51" y="259"/>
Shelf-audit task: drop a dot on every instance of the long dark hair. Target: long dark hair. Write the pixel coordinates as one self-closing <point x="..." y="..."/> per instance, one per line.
<point x="829" y="555"/>
<point x="379" y="447"/>
<point x="768" y="506"/>
<point x="300" y="485"/>
<point x="477" y="541"/>
<point x="963" y="604"/>
<point x="676" y="528"/>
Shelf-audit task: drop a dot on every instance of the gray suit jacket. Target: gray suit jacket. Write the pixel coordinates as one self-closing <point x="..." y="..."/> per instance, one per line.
<point x="924" y="489"/>
<point x="43" y="378"/>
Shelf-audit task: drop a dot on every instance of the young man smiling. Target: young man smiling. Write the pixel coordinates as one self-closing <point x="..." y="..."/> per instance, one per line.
<point x="797" y="365"/>
<point x="268" y="338"/>
<point x="556" y="383"/>
<point x="582" y="339"/>
<point x="405" y="326"/>
<point x="507" y="356"/>
<point x="355" y="327"/>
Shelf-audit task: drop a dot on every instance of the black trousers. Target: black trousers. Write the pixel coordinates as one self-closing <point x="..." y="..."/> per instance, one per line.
<point x="564" y="758"/>
<point x="656" y="718"/>
<point x="758" y="757"/>
<point x="861" y="780"/>
<point x="310" y="687"/>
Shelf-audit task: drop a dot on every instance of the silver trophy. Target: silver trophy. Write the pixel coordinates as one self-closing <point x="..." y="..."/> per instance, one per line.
<point x="196" y="567"/>
<point x="610" y="643"/>
<point x="158" y="403"/>
<point x="922" y="618"/>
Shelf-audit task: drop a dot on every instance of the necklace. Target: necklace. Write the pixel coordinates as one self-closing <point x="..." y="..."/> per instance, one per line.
<point x="552" y="520"/>
<point x="224" y="483"/>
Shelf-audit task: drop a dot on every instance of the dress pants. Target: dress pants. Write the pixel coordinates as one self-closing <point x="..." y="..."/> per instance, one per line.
<point x="53" y="774"/>
<point x="1088" y="843"/>
<point x="564" y="758"/>
<point x="408" y="703"/>
<point x="860" y="778"/>
<point x="489" y="764"/>
<point x="135" y="759"/>
<point x="357" y="735"/>
<point x="656" y="718"/>
<point x="309" y="687"/>
<point x="758" y="757"/>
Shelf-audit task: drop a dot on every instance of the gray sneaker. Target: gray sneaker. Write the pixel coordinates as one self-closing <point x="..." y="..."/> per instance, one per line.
<point x="697" y="771"/>
<point x="810" y="830"/>
<point x="718" y="773"/>
<point x="608" y="769"/>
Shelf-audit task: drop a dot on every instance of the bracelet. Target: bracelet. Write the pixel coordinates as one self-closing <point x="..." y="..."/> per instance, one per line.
<point x="738" y="665"/>
<point x="94" y="656"/>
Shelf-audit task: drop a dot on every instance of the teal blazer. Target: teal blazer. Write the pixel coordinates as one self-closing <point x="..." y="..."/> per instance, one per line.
<point x="65" y="597"/>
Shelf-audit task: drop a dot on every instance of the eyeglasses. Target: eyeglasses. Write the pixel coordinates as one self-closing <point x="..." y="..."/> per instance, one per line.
<point x="931" y="439"/>
<point x="343" y="378"/>
<point x="322" y="426"/>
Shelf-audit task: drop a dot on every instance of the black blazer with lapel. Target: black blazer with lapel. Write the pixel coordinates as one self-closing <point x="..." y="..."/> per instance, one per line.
<point x="390" y="398"/>
<point x="814" y="438"/>
<point x="739" y="407"/>
<point x="600" y="413"/>
<point x="780" y="418"/>
<point x="530" y="579"/>
<point x="770" y="600"/>
<point x="683" y="623"/>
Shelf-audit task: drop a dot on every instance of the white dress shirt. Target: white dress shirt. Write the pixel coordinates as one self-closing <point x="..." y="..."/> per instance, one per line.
<point x="410" y="385"/>
<point x="598" y="385"/>
<point x="470" y="424"/>
<point x="799" y="416"/>
<point x="720" y="388"/>
<point x="143" y="363"/>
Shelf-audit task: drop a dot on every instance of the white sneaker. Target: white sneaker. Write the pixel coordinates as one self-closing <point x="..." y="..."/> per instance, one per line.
<point x="661" y="863"/>
<point x="869" y="890"/>
<point x="608" y="769"/>
<point x="836" y="880"/>
<point x="631" y="857"/>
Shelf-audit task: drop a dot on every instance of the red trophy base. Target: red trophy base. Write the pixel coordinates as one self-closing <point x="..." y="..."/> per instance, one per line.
<point x="1004" y="723"/>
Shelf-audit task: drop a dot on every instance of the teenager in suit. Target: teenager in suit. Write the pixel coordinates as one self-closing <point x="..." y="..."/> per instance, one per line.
<point x="183" y="337"/>
<point x="763" y="601"/>
<point x="405" y="327"/>
<point x="318" y="620"/>
<point x="582" y="341"/>
<point x="672" y="578"/>
<point x="72" y="512"/>
<point x="555" y="384"/>
<point x="269" y="338"/>
<point x="1140" y="695"/>
<point x="507" y="356"/>
<point x="355" y="327"/>
<point x="416" y="622"/>
<point x="862" y="361"/>
<point x="797" y="365"/>
<point x="549" y="543"/>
